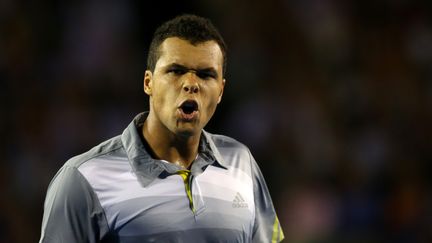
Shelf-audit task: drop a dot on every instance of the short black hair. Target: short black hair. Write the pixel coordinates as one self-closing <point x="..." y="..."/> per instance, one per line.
<point x="188" y="27"/>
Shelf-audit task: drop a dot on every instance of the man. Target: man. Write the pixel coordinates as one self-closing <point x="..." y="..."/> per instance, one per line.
<point x="165" y="179"/>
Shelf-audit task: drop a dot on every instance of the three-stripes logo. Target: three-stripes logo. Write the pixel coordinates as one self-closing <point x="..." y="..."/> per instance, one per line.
<point x="239" y="202"/>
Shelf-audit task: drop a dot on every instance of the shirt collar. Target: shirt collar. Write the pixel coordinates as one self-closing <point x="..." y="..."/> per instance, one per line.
<point x="148" y="169"/>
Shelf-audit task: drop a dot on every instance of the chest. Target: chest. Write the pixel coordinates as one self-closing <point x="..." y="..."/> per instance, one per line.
<point x="218" y="200"/>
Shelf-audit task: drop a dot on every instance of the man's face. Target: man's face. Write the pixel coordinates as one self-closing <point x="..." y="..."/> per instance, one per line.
<point x="186" y="85"/>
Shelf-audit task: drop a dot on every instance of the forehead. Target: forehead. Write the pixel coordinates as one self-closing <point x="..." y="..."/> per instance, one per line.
<point x="201" y="55"/>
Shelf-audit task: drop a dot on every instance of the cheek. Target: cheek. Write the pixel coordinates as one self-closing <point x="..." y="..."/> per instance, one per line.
<point x="212" y="99"/>
<point x="164" y="96"/>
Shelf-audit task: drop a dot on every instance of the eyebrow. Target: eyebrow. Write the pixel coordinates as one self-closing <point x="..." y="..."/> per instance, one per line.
<point x="209" y="70"/>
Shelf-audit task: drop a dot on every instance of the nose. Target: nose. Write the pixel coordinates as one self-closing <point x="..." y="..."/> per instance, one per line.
<point x="190" y="84"/>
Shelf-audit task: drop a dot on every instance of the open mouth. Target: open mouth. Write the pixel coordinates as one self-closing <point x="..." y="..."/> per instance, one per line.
<point x="189" y="106"/>
<point x="188" y="110"/>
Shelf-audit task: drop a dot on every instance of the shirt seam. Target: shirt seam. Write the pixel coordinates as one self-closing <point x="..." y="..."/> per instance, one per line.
<point x="254" y="229"/>
<point x="94" y="194"/>
<point x="88" y="183"/>
<point x="97" y="155"/>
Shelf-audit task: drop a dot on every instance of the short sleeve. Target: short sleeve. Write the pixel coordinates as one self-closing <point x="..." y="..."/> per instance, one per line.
<point x="72" y="212"/>
<point x="266" y="226"/>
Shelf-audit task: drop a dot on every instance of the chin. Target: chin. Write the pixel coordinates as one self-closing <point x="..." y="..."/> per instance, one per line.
<point x="187" y="132"/>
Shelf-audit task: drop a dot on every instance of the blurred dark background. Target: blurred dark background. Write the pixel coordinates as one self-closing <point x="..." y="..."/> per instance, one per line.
<point x="333" y="97"/>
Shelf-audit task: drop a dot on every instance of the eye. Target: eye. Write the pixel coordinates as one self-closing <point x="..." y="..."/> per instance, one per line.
<point x="206" y="75"/>
<point x="177" y="71"/>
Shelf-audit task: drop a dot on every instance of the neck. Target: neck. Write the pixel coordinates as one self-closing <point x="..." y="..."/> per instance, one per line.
<point x="166" y="145"/>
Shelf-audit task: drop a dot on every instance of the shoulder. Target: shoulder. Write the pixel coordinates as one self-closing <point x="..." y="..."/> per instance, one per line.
<point x="222" y="141"/>
<point x="70" y="181"/>
<point x="230" y="152"/>
<point x="106" y="148"/>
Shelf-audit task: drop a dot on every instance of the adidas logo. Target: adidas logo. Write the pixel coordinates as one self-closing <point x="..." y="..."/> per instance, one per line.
<point x="239" y="202"/>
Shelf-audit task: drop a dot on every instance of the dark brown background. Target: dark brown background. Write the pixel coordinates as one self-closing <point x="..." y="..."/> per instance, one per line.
<point x="333" y="97"/>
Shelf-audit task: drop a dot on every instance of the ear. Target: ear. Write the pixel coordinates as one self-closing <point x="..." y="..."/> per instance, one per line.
<point x="221" y="92"/>
<point x="148" y="82"/>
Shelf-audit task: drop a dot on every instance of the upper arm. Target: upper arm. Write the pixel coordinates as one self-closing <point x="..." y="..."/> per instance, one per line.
<point x="72" y="212"/>
<point x="266" y="225"/>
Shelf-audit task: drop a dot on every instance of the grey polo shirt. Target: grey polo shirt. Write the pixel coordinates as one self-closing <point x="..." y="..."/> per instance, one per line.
<point x="117" y="192"/>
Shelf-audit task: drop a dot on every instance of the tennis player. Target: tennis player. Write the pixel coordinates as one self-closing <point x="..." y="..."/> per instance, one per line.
<point x="165" y="179"/>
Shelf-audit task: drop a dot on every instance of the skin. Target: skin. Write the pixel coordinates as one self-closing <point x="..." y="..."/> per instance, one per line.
<point x="183" y="72"/>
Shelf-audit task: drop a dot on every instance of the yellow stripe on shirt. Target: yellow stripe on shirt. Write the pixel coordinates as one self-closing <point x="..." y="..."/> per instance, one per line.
<point x="277" y="233"/>
<point x="185" y="174"/>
